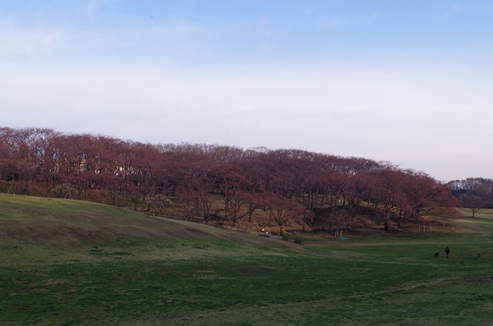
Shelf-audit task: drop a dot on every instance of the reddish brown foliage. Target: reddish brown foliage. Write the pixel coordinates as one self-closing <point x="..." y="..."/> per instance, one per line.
<point x="322" y="192"/>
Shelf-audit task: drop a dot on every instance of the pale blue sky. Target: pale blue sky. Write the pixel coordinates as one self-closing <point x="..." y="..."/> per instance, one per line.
<point x="404" y="81"/>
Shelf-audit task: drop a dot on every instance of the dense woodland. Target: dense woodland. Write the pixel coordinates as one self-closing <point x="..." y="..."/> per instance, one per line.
<point x="221" y="184"/>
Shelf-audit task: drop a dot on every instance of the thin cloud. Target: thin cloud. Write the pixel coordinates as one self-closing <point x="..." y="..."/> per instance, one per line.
<point x="16" y="41"/>
<point x="455" y="10"/>
<point x="90" y="8"/>
<point x="178" y="29"/>
<point x="337" y="22"/>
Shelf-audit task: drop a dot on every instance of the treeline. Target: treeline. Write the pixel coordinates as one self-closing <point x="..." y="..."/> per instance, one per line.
<point x="474" y="193"/>
<point x="222" y="183"/>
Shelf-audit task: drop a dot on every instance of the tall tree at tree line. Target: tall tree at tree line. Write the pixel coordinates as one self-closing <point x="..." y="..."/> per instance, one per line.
<point x="320" y="191"/>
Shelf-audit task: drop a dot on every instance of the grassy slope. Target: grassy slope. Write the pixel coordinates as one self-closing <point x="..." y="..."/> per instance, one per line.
<point x="46" y="230"/>
<point x="74" y="262"/>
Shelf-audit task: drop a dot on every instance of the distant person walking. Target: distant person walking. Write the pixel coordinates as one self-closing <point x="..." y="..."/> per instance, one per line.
<point x="447" y="252"/>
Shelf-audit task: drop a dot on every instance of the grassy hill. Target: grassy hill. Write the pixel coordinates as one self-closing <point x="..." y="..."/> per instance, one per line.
<point x="48" y="230"/>
<point x="77" y="263"/>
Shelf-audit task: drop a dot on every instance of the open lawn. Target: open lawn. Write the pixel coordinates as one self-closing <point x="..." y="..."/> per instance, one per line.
<point x="76" y="263"/>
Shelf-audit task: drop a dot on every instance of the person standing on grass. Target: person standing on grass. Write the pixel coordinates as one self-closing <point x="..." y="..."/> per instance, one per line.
<point x="447" y="252"/>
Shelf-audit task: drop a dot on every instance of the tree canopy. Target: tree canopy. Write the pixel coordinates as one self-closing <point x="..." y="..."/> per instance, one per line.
<point x="320" y="191"/>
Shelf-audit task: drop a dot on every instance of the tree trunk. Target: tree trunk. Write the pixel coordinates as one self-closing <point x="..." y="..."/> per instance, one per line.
<point x="281" y="231"/>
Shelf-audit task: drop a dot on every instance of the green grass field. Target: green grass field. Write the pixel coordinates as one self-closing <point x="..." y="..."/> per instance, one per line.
<point x="74" y="263"/>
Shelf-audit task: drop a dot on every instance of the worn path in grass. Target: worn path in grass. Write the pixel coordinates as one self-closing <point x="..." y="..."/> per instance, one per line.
<point x="69" y="262"/>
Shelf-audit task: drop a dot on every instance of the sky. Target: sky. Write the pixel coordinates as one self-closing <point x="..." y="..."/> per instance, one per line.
<point x="409" y="82"/>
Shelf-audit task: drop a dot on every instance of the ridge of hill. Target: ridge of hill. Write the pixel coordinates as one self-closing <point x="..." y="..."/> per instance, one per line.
<point x="36" y="229"/>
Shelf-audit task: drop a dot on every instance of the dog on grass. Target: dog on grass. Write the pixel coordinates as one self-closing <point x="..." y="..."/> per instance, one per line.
<point x="437" y="254"/>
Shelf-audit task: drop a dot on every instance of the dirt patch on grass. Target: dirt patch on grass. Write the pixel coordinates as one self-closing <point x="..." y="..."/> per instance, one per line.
<point x="415" y="285"/>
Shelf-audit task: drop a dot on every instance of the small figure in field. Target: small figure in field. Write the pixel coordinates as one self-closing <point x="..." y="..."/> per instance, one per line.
<point x="437" y="254"/>
<point x="479" y="255"/>
<point x="447" y="252"/>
